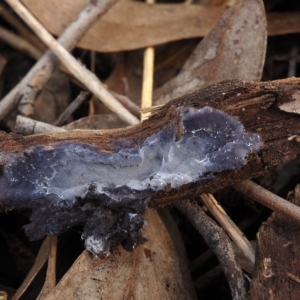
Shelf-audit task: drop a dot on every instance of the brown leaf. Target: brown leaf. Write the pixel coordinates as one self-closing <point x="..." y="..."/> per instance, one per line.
<point x="132" y="25"/>
<point x="38" y="264"/>
<point x="156" y="270"/>
<point x="234" y="49"/>
<point x="129" y="24"/>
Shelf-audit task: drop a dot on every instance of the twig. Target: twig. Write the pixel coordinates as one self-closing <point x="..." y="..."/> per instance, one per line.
<point x="42" y="70"/>
<point x="147" y="88"/>
<point x="263" y="196"/>
<point x="148" y="76"/>
<point x="79" y="71"/>
<point x="71" y="108"/>
<point x="27" y="126"/>
<point x="126" y="102"/>
<point x="204" y="257"/>
<point x="22" y="30"/>
<point x="229" y="226"/>
<point x="19" y="43"/>
<point x="219" y="242"/>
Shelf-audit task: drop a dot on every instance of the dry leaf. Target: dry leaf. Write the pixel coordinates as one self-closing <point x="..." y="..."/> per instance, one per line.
<point x="129" y="24"/>
<point x="156" y="270"/>
<point x="50" y="281"/>
<point x="126" y="77"/>
<point x="132" y="25"/>
<point x="38" y="264"/>
<point x="234" y="49"/>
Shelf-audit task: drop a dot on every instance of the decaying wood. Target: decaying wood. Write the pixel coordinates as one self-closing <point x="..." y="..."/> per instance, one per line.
<point x="276" y="272"/>
<point x="254" y="104"/>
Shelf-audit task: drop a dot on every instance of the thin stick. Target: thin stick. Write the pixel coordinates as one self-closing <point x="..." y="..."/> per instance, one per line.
<point x="126" y="102"/>
<point x="204" y="257"/>
<point x="148" y="75"/>
<point x="263" y="196"/>
<point x="71" y="108"/>
<point x="27" y="126"/>
<point x="219" y="242"/>
<point x="22" y="30"/>
<point x="42" y="70"/>
<point x="147" y="88"/>
<point x="229" y="226"/>
<point x="19" y="43"/>
<point x="78" y="70"/>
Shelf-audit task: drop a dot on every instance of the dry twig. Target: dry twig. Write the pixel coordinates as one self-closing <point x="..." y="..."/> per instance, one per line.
<point x="42" y="70"/>
<point x="78" y="70"/>
<point x="219" y="242"/>
<point x="126" y="102"/>
<point x="22" y="30"/>
<point x="148" y="77"/>
<point x="19" y="43"/>
<point x="70" y="109"/>
<point x="27" y="126"/>
<point x="263" y="196"/>
<point x="229" y="226"/>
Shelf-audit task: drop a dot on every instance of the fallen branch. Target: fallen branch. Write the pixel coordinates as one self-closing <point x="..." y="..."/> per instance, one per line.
<point x="108" y="177"/>
<point x="254" y="104"/>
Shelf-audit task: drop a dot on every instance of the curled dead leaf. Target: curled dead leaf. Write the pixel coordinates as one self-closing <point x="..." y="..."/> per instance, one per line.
<point x="234" y="49"/>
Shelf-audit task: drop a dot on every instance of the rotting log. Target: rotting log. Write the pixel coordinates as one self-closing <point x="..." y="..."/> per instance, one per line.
<point x="254" y="104"/>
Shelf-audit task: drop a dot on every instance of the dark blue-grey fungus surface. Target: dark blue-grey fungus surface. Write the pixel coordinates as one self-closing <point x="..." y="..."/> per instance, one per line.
<point x="67" y="184"/>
